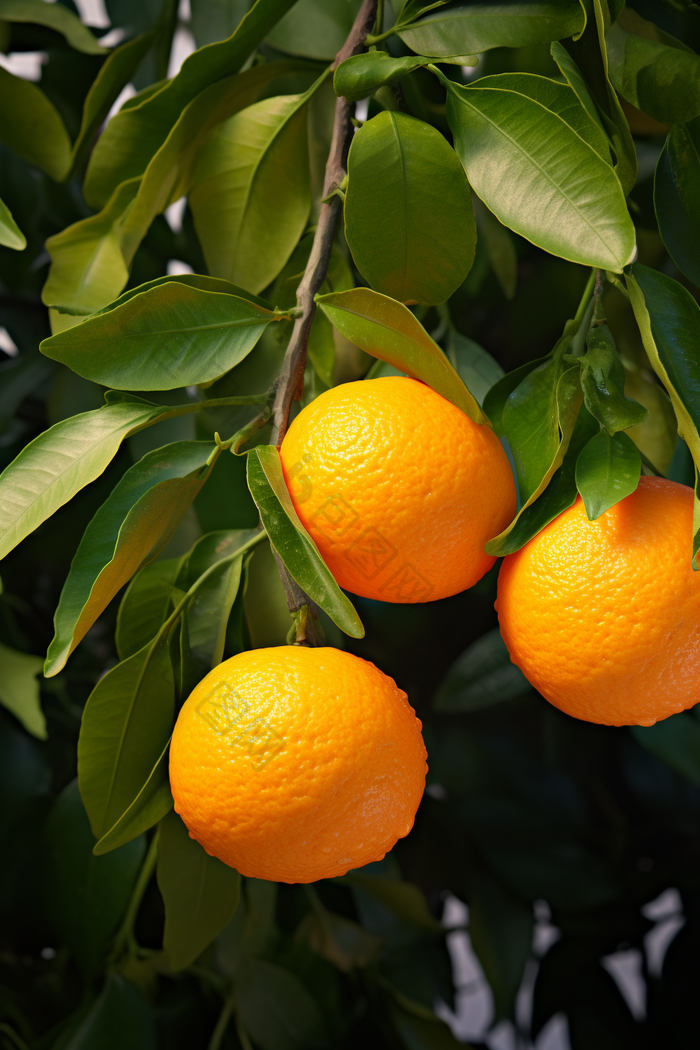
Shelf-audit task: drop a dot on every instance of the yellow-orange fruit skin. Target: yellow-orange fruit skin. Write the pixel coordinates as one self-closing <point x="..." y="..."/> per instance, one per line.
<point x="603" y="617"/>
<point x="295" y="764"/>
<point x="398" y="488"/>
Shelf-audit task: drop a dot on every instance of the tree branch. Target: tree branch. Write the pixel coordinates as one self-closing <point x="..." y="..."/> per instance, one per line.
<point x="291" y="380"/>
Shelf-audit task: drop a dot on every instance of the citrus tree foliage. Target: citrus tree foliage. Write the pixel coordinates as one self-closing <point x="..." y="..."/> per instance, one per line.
<point x="512" y="216"/>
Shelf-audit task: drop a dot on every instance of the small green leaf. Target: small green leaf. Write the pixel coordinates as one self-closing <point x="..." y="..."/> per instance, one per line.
<point x="475" y="366"/>
<point x="53" y="16"/>
<point x="131" y="527"/>
<point x="152" y="803"/>
<point x="255" y="164"/>
<point x="603" y="384"/>
<point x="121" y="1016"/>
<point x="676" y="196"/>
<point x="10" y="234"/>
<point x="497" y="396"/>
<point x="19" y="689"/>
<point x="409" y="220"/>
<point x="169" y="336"/>
<point x="557" y="497"/>
<point x="361" y="75"/>
<point x="85" y="895"/>
<point x="126" y="725"/>
<point x="607" y="470"/>
<point x="204" y="623"/>
<point x="145" y="606"/>
<point x="474" y="27"/>
<point x="404" y="899"/>
<point x="676" y="740"/>
<point x="388" y="330"/>
<point x="137" y="132"/>
<point x="31" y="125"/>
<point x="293" y="543"/>
<point x="481" y="677"/>
<point x="200" y="893"/>
<point x="652" y="70"/>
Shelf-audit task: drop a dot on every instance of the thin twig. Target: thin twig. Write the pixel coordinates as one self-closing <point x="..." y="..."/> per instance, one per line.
<point x="291" y="382"/>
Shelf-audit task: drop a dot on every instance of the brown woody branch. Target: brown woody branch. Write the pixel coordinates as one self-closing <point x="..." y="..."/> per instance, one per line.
<point x="291" y="380"/>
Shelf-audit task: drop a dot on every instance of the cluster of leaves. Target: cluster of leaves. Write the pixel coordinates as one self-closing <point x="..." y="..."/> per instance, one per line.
<point x="485" y="191"/>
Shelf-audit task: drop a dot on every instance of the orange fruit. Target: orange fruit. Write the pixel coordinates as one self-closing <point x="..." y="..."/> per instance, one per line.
<point x="603" y="616"/>
<point x="295" y="764"/>
<point x="398" y="488"/>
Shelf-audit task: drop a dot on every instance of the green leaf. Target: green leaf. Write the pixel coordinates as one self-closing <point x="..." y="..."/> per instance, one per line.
<point x="120" y="1017"/>
<point x="200" y="893"/>
<point x="169" y="336"/>
<point x="576" y="82"/>
<point x="85" y="895"/>
<point x="254" y="165"/>
<point x="669" y="322"/>
<point x="131" y="527"/>
<point x="151" y="804"/>
<point x="192" y="280"/>
<point x="404" y="899"/>
<point x="145" y="606"/>
<point x="134" y="135"/>
<point x="126" y="725"/>
<point x="409" y="220"/>
<point x="19" y="689"/>
<point x="467" y="27"/>
<point x="293" y="543"/>
<point x="388" y="330"/>
<point x="558" y="496"/>
<point x="59" y="462"/>
<point x="676" y="197"/>
<point x="361" y="75"/>
<point x="676" y="740"/>
<point x="501" y="928"/>
<point x="204" y="623"/>
<point x="475" y="366"/>
<point x="499" y="246"/>
<point x="589" y="63"/>
<point x="53" y="16"/>
<point x="275" y="1009"/>
<point x="538" y="176"/>
<point x="419" y="1033"/>
<point x="481" y="677"/>
<point x="10" y="234"/>
<point x="654" y="71"/>
<point x="607" y="470"/>
<point x="315" y="28"/>
<point x="31" y="125"/>
<point x="496" y="398"/>
<point x="603" y="384"/>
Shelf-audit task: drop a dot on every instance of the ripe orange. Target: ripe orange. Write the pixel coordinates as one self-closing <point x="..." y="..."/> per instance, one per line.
<point x="295" y="764"/>
<point x="398" y="488"/>
<point x="603" y="616"/>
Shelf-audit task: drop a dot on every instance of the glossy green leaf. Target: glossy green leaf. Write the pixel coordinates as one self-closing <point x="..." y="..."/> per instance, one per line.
<point x="576" y="82"/>
<point x="119" y="1017"/>
<point x="538" y="176"/>
<point x="275" y="1009"/>
<point x="481" y="677"/>
<point x="676" y="740"/>
<point x="469" y="27"/>
<point x="292" y="542"/>
<point x="134" y="135"/>
<point x="654" y="71"/>
<point x="603" y="384"/>
<point x="53" y="16"/>
<point x="607" y="470"/>
<point x="200" y="893"/>
<point x="31" y="125"/>
<point x="191" y="280"/>
<point x="387" y="329"/>
<point x="669" y="322"/>
<point x="204" y="623"/>
<point x="677" y="197"/>
<point x="315" y="28"/>
<point x="145" y="606"/>
<point x="19" y="689"/>
<point x="475" y="366"/>
<point x="255" y="164"/>
<point x="126" y="725"/>
<point x="61" y="461"/>
<point x="85" y="896"/>
<point x="10" y="234"/>
<point x="589" y="64"/>
<point x="409" y="220"/>
<point x="558" y="496"/>
<point x="501" y="929"/>
<point x="131" y="527"/>
<point x="169" y="336"/>
<point x="150" y="805"/>
<point x="497" y="396"/>
<point x="361" y="75"/>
